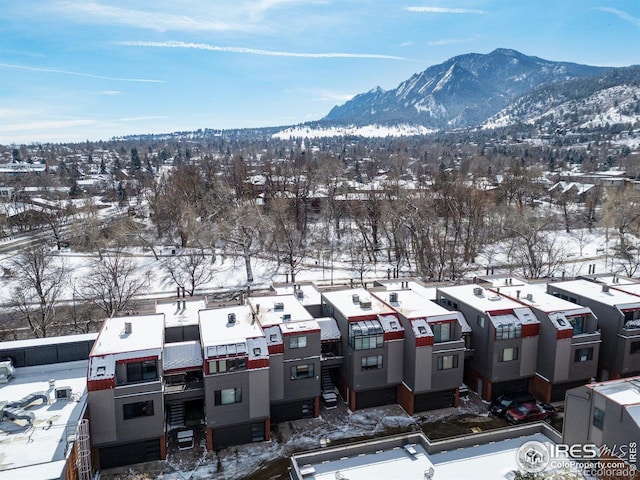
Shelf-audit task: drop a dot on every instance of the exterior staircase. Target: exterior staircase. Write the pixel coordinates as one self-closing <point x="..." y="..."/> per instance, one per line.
<point x="176" y="415"/>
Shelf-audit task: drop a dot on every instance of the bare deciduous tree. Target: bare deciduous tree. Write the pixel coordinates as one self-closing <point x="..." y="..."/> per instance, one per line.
<point x="188" y="270"/>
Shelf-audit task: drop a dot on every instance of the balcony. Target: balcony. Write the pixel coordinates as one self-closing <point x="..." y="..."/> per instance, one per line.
<point x="184" y="385"/>
<point x="584" y="338"/>
<point x="452" y="345"/>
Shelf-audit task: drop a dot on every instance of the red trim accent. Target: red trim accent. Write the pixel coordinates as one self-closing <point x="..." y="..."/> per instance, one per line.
<point x="532" y="330"/>
<point x="625" y="310"/>
<point x="299" y="332"/>
<point x="440" y="322"/>
<point x="258" y="363"/>
<point x="102" y="384"/>
<point x="276" y="348"/>
<point x="133" y="360"/>
<point x="566" y="333"/>
<point x="424" y="341"/>
<point x="506" y="311"/>
<point x="393" y="335"/>
<point x="361" y="318"/>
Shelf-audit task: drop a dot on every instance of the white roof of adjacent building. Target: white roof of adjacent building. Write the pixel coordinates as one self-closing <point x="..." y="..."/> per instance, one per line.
<point x="411" y="304"/>
<point x="182" y="311"/>
<point x="38" y="452"/>
<point x="216" y="329"/>
<point x="625" y="391"/>
<point x="309" y="294"/>
<point x="277" y="309"/>
<point x="428" y="292"/>
<point x="343" y="301"/>
<point x="539" y="299"/>
<point x="595" y="291"/>
<point x="486" y="301"/>
<point x="36" y="342"/>
<point x="147" y="333"/>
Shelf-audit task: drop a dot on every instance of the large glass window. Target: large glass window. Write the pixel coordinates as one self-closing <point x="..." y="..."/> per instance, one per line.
<point x="227" y="396"/>
<point x="366" y="335"/>
<point x="142" y="371"/>
<point x="371" y="362"/>
<point x="137" y="409"/>
<point x="509" y="354"/>
<point x="584" y="354"/>
<point x="447" y="362"/>
<point x="578" y="324"/>
<point x="227" y="365"/>
<point x="509" y="330"/>
<point x="299" y="341"/>
<point x="441" y="332"/>
<point x="598" y="418"/>
<point x="300" y="372"/>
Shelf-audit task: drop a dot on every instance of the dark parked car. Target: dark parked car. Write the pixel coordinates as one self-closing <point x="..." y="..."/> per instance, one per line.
<point x="509" y="400"/>
<point x="530" y="412"/>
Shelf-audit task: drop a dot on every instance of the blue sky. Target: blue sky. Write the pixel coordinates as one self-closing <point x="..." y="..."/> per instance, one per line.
<point x="75" y="70"/>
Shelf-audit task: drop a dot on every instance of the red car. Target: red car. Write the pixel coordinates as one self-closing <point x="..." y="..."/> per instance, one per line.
<point x="530" y="412"/>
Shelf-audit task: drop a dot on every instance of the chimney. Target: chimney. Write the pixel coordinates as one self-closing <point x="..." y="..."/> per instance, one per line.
<point x="605" y="288"/>
<point x="517" y="293"/>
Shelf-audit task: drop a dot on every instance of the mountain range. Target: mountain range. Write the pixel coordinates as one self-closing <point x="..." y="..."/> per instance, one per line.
<point x="491" y="90"/>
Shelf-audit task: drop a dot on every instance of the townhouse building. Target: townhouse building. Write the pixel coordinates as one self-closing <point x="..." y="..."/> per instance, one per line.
<point x="504" y="335"/>
<point x="293" y="339"/>
<point x="568" y="345"/>
<point x="372" y="347"/>
<point x="434" y="351"/>
<point x="606" y="414"/>
<point x="618" y="313"/>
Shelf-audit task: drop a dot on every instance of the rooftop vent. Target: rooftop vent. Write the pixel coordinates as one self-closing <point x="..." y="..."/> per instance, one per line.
<point x="286" y="317"/>
<point x="127" y="328"/>
<point x="530" y="296"/>
<point x="393" y="297"/>
<point x="278" y="306"/>
<point x="477" y="291"/>
<point x="63" y="393"/>
<point x="299" y="294"/>
<point x="605" y="288"/>
<point x="365" y="303"/>
<point x="355" y="298"/>
<point x="231" y="318"/>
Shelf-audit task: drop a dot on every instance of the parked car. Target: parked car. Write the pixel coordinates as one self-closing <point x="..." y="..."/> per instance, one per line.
<point x="509" y="400"/>
<point x="530" y="412"/>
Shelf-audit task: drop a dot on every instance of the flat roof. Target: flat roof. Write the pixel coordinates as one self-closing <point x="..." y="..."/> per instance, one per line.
<point x="147" y="333"/>
<point x="411" y="304"/>
<point x="216" y="329"/>
<point x="274" y="309"/>
<point x="39" y="451"/>
<point x="37" y="342"/>
<point x="343" y="301"/>
<point x="181" y="311"/>
<point x="492" y="458"/>
<point x="594" y="291"/>
<point x="625" y="391"/>
<point x="485" y="301"/>
<point x="310" y="294"/>
<point x="426" y="291"/>
<point x="539" y="299"/>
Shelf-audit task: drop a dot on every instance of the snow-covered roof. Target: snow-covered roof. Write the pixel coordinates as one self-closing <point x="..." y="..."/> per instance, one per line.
<point x="181" y="311"/>
<point x="181" y="355"/>
<point x="273" y="335"/>
<point x="411" y="304"/>
<point x="595" y="291"/>
<point x="481" y="299"/>
<point x="299" y="327"/>
<point x="623" y="392"/>
<point x="357" y="302"/>
<point x="39" y="451"/>
<point x="145" y="332"/>
<point x="390" y="323"/>
<point x="257" y="348"/>
<point x="227" y="326"/>
<point x="537" y="298"/>
<point x="37" y="342"/>
<point x="308" y="293"/>
<point x="415" y="286"/>
<point x="276" y="309"/>
<point x="420" y="328"/>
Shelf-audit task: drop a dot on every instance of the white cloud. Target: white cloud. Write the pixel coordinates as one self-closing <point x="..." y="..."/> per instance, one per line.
<point x="623" y="15"/>
<point x="110" y="92"/>
<point x="329" y="96"/>
<point x="449" y="41"/>
<point x="255" y="51"/>
<point x="406" y="44"/>
<point x="46" y="125"/>
<point x="106" y="14"/>
<point x="78" y="74"/>
<point x="140" y="119"/>
<point x="445" y="10"/>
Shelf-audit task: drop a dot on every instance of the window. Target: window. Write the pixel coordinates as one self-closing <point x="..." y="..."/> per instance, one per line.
<point x="142" y="371"/>
<point x="578" y="324"/>
<point x="481" y="321"/>
<point x="227" y="365"/>
<point x="584" y="354"/>
<point x="137" y="409"/>
<point x="635" y="348"/>
<point x="300" y="372"/>
<point x="298" y="341"/>
<point x="371" y="362"/>
<point x="598" y="418"/>
<point x="631" y="319"/>
<point x="366" y="335"/>
<point x="447" y="362"/>
<point x="227" y="396"/>
<point x="441" y="332"/>
<point x="509" y="354"/>
<point x="509" y="330"/>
